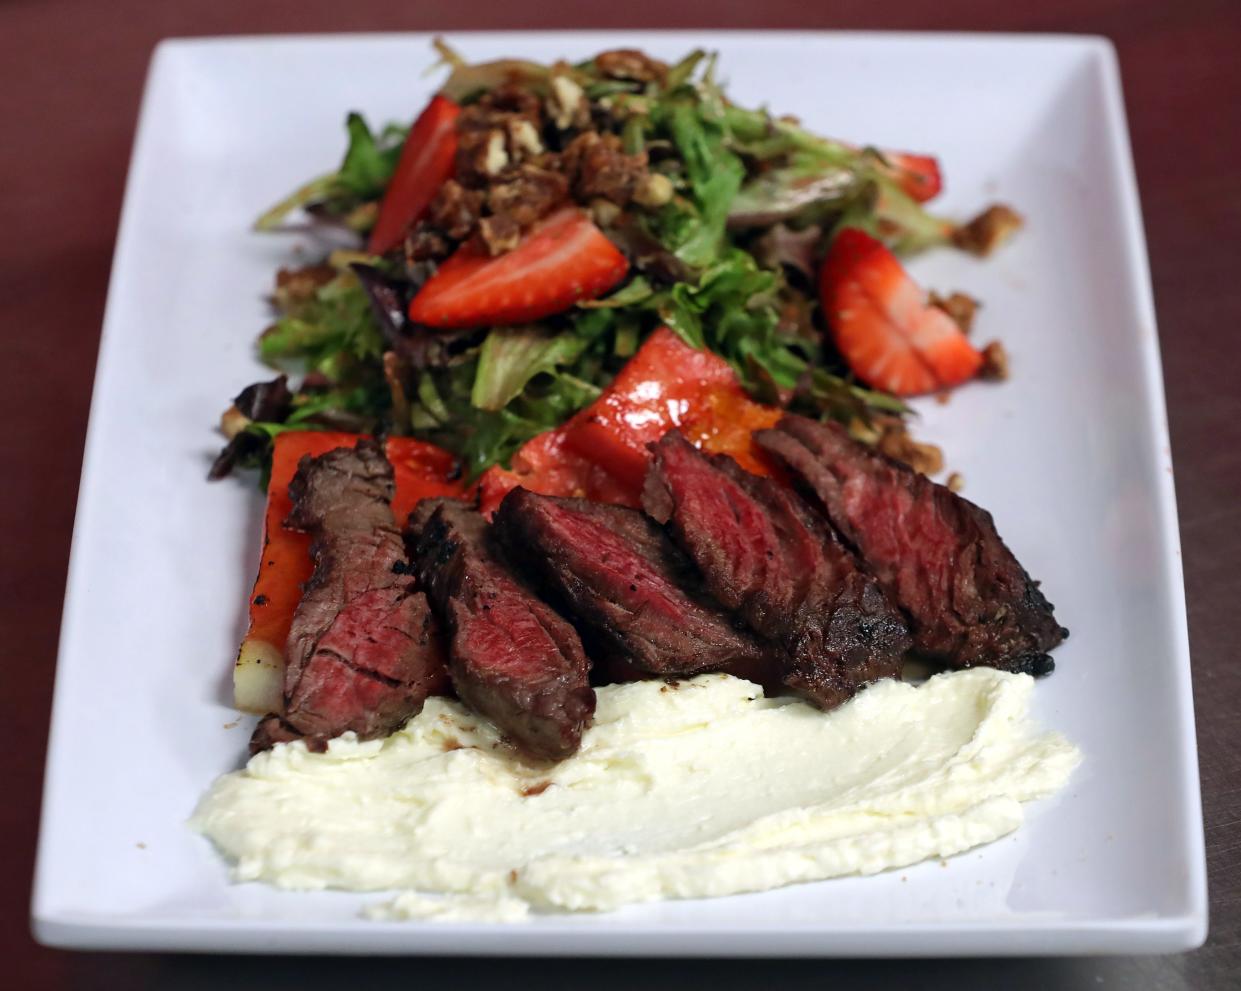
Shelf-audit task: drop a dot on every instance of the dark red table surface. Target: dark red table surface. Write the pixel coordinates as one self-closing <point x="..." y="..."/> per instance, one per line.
<point x="71" y="74"/>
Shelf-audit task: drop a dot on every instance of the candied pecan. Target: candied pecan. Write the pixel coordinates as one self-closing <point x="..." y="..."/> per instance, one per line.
<point x="603" y="212"/>
<point x="524" y="142"/>
<point x="455" y="209"/>
<point x="629" y="63"/>
<point x="527" y="193"/>
<point x="597" y="166"/>
<point x="988" y="230"/>
<point x="994" y="363"/>
<point x="425" y="243"/>
<point x="653" y="190"/>
<point x="502" y="125"/>
<point x="895" y="442"/>
<point x="500" y="233"/>
<point x="297" y="286"/>
<point x="567" y="104"/>
<point x="480" y="155"/>
<point x="510" y="98"/>
<point x="959" y="306"/>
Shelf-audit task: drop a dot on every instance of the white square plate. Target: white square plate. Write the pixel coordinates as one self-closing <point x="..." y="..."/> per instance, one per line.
<point x="1071" y="456"/>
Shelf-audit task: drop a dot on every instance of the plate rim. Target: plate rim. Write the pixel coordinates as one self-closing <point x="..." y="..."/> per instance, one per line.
<point x="1167" y="933"/>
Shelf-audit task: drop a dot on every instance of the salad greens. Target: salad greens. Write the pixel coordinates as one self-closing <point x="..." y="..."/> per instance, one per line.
<point x="734" y="182"/>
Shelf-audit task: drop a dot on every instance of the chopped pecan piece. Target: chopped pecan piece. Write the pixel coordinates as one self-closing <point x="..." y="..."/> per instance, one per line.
<point x="994" y="363"/>
<point x="603" y="212"/>
<point x="959" y="306"/>
<point x="504" y="124"/>
<point x="597" y="167"/>
<point x="527" y="194"/>
<point x="653" y="190"/>
<point x="988" y="230"/>
<point x="523" y="140"/>
<point x="500" y="233"/>
<point x="455" y="209"/>
<point x="895" y="442"/>
<point x="510" y="98"/>
<point x="296" y="286"/>
<point x="476" y="156"/>
<point x="629" y="63"/>
<point x="567" y="104"/>
<point x="425" y="243"/>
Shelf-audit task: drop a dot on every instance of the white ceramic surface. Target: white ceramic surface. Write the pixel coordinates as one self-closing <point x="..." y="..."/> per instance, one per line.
<point x="1071" y="456"/>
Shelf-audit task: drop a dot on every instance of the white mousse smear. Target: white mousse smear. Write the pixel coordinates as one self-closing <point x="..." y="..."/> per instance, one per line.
<point x="691" y="790"/>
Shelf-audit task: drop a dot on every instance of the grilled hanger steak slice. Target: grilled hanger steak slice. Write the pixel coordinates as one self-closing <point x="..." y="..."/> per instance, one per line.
<point x="511" y="657"/>
<point x="762" y="552"/>
<point x="968" y="599"/>
<point x="623" y="581"/>
<point x="362" y="653"/>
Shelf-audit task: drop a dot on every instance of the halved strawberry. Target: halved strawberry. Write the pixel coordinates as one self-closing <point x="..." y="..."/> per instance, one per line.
<point x="564" y="259"/>
<point x="427" y="161"/>
<point x="892" y="338"/>
<point x="917" y="175"/>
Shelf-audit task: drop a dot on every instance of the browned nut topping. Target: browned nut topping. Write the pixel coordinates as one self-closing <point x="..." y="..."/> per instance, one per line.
<point x="604" y="212"/>
<point x="959" y="306"/>
<point x="895" y="442"/>
<point x="599" y="167"/>
<point x="523" y="139"/>
<point x="425" y="243"/>
<point x="566" y="103"/>
<point x="299" y="285"/>
<point x="629" y="63"/>
<point x="495" y="158"/>
<point x="955" y="482"/>
<point x="653" y="190"/>
<point x="455" y="209"/>
<point x="988" y="230"/>
<point x="500" y="233"/>
<point x="994" y="363"/>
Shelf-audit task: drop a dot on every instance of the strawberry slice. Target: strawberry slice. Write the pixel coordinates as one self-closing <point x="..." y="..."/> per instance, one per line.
<point x="917" y="175"/>
<point x="892" y="338"/>
<point x="427" y="161"/>
<point x="564" y="259"/>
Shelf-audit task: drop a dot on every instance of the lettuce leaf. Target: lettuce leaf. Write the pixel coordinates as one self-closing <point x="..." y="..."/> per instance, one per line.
<point x="363" y="175"/>
<point x="511" y="356"/>
<point x="735" y="174"/>
<point x="337" y="324"/>
<point x="715" y="176"/>
<point x="369" y="160"/>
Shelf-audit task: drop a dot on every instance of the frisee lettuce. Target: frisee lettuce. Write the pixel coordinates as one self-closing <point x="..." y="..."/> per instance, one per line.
<point x="735" y="172"/>
<point x="332" y="331"/>
<point x="370" y="159"/>
<point x="511" y="356"/>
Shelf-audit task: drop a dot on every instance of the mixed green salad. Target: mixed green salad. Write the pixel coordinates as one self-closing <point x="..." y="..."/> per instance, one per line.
<point x="718" y="216"/>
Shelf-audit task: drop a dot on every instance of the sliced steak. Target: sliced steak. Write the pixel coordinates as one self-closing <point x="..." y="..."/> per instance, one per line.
<point x="511" y="657"/>
<point x="968" y="599"/>
<point x="764" y="553"/>
<point x="362" y="654"/>
<point x="621" y="579"/>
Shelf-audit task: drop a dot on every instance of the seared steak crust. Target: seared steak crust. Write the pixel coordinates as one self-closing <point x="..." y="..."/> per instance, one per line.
<point x="762" y="552"/>
<point x="621" y="579"/>
<point x="362" y="654"/>
<point x="511" y="657"/>
<point x="938" y="555"/>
